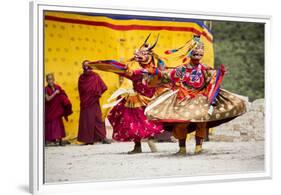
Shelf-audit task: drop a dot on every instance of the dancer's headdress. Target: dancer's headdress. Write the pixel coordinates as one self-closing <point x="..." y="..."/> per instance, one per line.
<point x="115" y="66"/>
<point x="146" y="47"/>
<point x="190" y="46"/>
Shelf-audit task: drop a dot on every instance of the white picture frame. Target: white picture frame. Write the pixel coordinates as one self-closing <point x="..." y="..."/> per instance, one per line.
<point x="36" y="95"/>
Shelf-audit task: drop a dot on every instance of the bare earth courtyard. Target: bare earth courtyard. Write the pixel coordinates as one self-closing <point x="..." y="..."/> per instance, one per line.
<point x="235" y="147"/>
<point x="110" y="162"/>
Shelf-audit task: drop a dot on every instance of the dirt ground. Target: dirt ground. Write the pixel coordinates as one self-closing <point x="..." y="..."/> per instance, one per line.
<point x="111" y="162"/>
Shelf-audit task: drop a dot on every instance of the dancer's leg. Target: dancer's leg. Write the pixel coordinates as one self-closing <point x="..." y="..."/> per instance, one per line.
<point x="137" y="148"/>
<point x="199" y="137"/>
<point x="179" y="133"/>
<point x="151" y="144"/>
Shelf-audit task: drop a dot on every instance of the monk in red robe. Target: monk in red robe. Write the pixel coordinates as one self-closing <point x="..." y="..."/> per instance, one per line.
<point x="57" y="106"/>
<point x="91" y="125"/>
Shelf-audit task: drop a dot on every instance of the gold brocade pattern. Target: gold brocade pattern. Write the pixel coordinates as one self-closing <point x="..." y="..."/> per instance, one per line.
<point x="196" y="109"/>
<point x="135" y="100"/>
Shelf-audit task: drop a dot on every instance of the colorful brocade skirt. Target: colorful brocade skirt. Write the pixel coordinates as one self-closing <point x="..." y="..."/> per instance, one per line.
<point x="129" y="122"/>
<point x="168" y="108"/>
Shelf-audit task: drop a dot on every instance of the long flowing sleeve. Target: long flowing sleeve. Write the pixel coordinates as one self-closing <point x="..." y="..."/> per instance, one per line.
<point x="109" y="66"/>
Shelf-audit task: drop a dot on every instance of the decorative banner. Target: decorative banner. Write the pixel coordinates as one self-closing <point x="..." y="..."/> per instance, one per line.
<point x="71" y="38"/>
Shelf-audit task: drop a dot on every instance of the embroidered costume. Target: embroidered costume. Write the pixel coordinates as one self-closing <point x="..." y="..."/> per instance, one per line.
<point x="195" y="100"/>
<point x="127" y="116"/>
<point x="196" y="97"/>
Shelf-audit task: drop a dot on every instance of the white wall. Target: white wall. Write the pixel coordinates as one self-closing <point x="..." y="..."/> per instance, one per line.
<point x="14" y="94"/>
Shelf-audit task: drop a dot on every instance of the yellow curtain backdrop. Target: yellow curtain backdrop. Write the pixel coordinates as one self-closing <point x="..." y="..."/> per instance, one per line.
<point x="70" y="38"/>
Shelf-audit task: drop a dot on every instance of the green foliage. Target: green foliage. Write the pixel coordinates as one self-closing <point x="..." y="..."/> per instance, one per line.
<point x="240" y="47"/>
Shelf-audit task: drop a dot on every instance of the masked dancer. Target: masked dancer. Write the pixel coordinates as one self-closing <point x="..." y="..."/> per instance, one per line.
<point x="127" y="115"/>
<point x="195" y="101"/>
